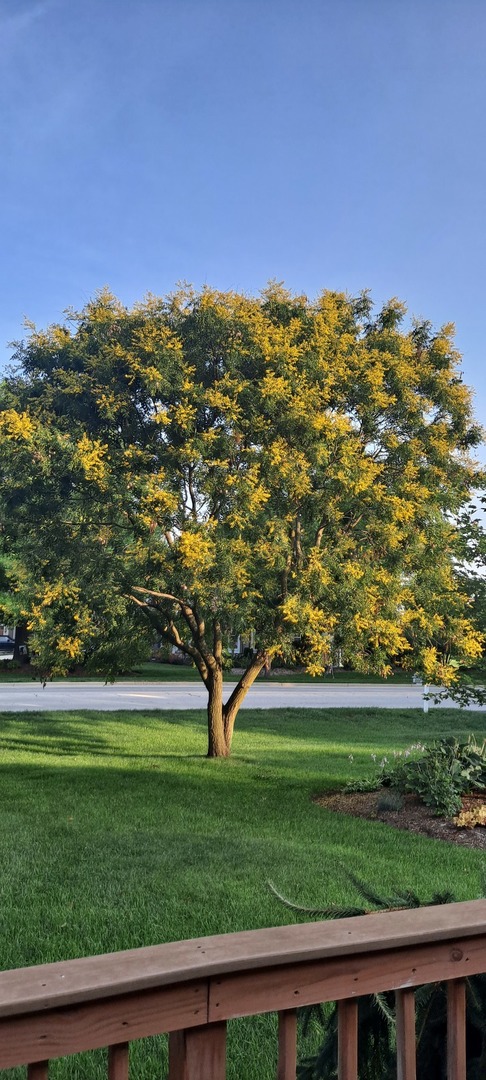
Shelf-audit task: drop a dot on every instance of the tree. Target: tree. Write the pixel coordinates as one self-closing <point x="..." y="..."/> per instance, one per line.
<point x="471" y="557"/>
<point x="213" y="462"/>
<point x="470" y="570"/>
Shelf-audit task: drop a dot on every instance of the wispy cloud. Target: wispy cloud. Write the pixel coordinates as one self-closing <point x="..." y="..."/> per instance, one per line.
<point x="13" y="24"/>
<point x="38" y="98"/>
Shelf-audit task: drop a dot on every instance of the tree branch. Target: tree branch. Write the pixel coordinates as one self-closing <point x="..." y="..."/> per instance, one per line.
<point x="191" y="617"/>
<point x="173" y="636"/>
<point x="242" y="687"/>
<point x="192" y="492"/>
<point x="217" y="641"/>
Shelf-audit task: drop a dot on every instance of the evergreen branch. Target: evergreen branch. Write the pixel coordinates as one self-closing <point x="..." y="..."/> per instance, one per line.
<point x="331" y="912"/>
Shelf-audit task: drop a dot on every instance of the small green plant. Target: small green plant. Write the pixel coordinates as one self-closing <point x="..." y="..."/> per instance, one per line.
<point x="365" y="783"/>
<point x="391" y="800"/>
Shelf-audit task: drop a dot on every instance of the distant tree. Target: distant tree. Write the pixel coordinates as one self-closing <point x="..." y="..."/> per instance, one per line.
<point x="471" y="557"/>
<point x="470" y="569"/>
<point x="213" y="462"/>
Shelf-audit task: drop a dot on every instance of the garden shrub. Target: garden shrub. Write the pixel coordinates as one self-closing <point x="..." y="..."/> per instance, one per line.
<point x="445" y="771"/>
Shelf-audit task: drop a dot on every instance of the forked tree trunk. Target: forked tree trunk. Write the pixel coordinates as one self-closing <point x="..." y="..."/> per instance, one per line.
<point x="209" y="662"/>
<point x="221" y="718"/>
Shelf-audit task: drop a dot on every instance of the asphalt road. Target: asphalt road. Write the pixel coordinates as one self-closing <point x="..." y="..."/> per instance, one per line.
<point x="22" y="697"/>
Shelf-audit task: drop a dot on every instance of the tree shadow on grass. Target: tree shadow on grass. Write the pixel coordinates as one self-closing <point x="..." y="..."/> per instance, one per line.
<point x="263" y="745"/>
<point x="355" y="724"/>
<point x="54" y="734"/>
<point x="166" y="793"/>
<point x="39" y="733"/>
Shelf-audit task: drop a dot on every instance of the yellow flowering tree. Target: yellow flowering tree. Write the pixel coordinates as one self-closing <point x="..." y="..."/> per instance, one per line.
<point x="212" y="462"/>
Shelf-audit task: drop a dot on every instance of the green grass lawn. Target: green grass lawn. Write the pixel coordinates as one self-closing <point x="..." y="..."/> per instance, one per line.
<point x="168" y="672"/>
<point x="155" y="672"/>
<point x="116" y="832"/>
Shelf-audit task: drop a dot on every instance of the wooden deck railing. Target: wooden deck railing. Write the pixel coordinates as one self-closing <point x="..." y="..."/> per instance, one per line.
<point x="190" y="989"/>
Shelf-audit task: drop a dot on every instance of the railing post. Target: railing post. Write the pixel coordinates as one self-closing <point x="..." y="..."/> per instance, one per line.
<point x="348" y="1039"/>
<point x="177" y="1047"/>
<point x="118" y="1062"/>
<point x="406" y="1051"/>
<point x="287" y="1045"/>
<point x="456" y="1029"/>
<point x="198" y="1053"/>
<point x="38" y="1070"/>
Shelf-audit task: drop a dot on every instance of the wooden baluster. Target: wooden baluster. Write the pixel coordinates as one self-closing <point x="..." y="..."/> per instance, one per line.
<point x="456" y="1029"/>
<point x="177" y="1050"/>
<point x="176" y="1055"/>
<point x="198" y="1053"/>
<point x="287" y="1045"/>
<point x="406" y="1050"/>
<point x="118" y="1062"/>
<point x="38" y="1070"/>
<point x="348" y="1039"/>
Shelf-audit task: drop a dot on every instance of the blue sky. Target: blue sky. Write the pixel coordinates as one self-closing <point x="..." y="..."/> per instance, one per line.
<point x="329" y="144"/>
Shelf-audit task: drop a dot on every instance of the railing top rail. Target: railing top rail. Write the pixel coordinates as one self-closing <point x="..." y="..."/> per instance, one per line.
<point x="67" y="982"/>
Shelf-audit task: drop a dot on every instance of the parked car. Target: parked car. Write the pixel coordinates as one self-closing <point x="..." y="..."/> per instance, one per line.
<point x="7" y="645"/>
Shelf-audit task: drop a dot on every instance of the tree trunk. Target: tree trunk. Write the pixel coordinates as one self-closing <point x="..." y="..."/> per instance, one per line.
<point x="217" y="742"/>
<point x="221" y="718"/>
<point x="230" y="710"/>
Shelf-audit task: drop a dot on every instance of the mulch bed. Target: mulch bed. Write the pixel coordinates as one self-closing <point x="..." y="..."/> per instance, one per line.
<point x="414" y="816"/>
